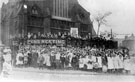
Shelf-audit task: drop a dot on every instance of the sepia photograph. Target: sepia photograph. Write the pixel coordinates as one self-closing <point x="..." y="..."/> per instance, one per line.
<point x="67" y="40"/>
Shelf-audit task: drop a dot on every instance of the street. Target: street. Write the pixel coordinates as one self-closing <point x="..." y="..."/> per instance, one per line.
<point x="37" y="75"/>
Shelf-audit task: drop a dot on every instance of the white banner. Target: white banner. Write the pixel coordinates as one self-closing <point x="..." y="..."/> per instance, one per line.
<point x="74" y="32"/>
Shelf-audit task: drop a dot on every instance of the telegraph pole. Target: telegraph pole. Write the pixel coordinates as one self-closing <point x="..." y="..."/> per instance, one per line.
<point x="111" y="34"/>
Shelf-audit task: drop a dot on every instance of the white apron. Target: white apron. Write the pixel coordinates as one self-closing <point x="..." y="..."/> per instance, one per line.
<point x="126" y="64"/>
<point x="99" y="62"/>
<point x="115" y="63"/>
<point x="110" y="63"/>
<point x="48" y="63"/>
<point x="89" y="66"/>
<point x="18" y="62"/>
<point x="121" y="63"/>
<point x="81" y="65"/>
<point x="45" y="58"/>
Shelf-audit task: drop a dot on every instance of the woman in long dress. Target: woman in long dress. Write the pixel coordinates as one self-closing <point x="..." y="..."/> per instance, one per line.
<point x="7" y="65"/>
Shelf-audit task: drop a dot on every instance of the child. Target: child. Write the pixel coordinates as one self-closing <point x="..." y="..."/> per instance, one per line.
<point x="94" y="62"/>
<point x="89" y="64"/>
<point x="25" y="58"/>
<point x="40" y="61"/>
<point x="115" y="62"/>
<point x="81" y="65"/>
<point x="99" y="60"/>
<point x="120" y="61"/>
<point x="110" y="63"/>
<point x="19" y="59"/>
<point x="127" y="64"/>
<point x="104" y="63"/>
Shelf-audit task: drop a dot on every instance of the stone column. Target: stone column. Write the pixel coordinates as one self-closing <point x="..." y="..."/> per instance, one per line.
<point x="54" y="7"/>
<point x="62" y="8"/>
<point x="67" y="8"/>
<point x="59" y="8"/>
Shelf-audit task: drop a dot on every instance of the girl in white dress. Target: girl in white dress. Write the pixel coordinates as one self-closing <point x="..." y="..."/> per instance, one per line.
<point x="89" y="64"/>
<point x="115" y="63"/>
<point x="127" y="64"/>
<point x="81" y="65"/>
<point x="110" y="63"/>
<point x="99" y="58"/>
<point x="121" y="63"/>
<point x="48" y="62"/>
<point x="7" y="65"/>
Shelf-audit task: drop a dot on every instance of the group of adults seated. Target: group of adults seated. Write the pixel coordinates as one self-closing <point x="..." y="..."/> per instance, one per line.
<point x="54" y="36"/>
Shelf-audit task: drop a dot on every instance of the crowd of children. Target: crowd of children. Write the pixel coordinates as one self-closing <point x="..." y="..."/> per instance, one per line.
<point x="91" y="59"/>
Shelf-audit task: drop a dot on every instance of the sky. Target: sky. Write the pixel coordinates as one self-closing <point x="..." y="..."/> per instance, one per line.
<point x="122" y="19"/>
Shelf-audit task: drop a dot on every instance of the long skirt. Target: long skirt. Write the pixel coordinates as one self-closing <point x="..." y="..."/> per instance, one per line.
<point x="7" y="69"/>
<point x="110" y="64"/>
<point x="81" y="65"/>
<point x="127" y="65"/>
<point x="104" y="69"/>
<point x="89" y="66"/>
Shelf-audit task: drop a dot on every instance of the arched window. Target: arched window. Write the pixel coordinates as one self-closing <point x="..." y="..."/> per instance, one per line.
<point x="34" y="10"/>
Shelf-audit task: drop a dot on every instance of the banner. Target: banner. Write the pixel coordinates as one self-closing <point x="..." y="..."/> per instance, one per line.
<point x="74" y="32"/>
<point x="47" y="41"/>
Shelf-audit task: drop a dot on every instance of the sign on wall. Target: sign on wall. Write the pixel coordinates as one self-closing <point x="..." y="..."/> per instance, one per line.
<point x="74" y="32"/>
<point x="47" y="41"/>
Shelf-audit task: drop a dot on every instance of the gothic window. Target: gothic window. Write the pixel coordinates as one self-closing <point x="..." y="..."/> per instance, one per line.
<point x="34" y="11"/>
<point x="81" y="15"/>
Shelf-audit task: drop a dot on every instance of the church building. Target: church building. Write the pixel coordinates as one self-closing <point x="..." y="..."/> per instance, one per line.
<point x="20" y="17"/>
